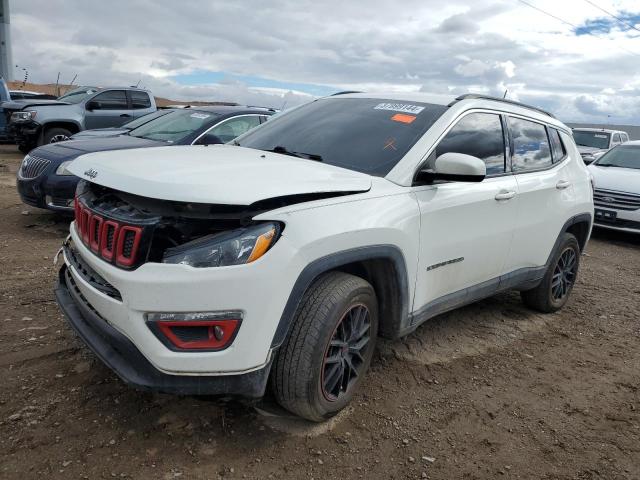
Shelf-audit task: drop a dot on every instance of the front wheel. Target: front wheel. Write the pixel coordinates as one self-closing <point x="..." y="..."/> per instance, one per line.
<point x="559" y="279"/>
<point x="329" y="347"/>
<point x="55" y="135"/>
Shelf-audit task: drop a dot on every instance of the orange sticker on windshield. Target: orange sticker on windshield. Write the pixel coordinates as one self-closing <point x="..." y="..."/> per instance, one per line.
<point x="404" y="118"/>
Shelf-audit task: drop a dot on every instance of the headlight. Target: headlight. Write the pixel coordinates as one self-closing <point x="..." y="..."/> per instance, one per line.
<point x="62" y="168"/>
<point x="24" y="115"/>
<point x="237" y="247"/>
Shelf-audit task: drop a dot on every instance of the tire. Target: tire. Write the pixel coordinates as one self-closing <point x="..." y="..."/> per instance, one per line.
<point x="56" y="134"/>
<point x="305" y="368"/>
<point x="559" y="279"/>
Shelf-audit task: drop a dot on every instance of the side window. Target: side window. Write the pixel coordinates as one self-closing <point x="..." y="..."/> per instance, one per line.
<point x="530" y="145"/>
<point x="558" y="151"/>
<point x="477" y="134"/>
<point x="616" y="138"/>
<point x="111" y="100"/>
<point x="231" y="128"/>
<point x="624" y="137"/>
<point x="140" y="100"/>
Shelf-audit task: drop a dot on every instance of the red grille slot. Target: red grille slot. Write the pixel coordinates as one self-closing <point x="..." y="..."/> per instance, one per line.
<point x="85" y="218"/>
<point x="95" y="233"/>
<point x="127" y="246"/>
<point x="108" y="239"/>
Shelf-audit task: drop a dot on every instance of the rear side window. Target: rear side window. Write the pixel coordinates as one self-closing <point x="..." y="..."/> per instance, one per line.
<point x="111" y="100"/>
<point x="558" y="151"/>
<point x="616" y="138"/>
<point x="530" y="145"/>
<point x="140" y="100"/>
<point x="480" y="135"/>
<point x="234" y="127"/>
<point x="625" y="137"/>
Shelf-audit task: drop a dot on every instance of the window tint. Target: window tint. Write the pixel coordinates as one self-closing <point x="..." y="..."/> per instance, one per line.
<point x="530" y="145"/>
<point x="480" y="135"/>
<point x="140" y="100"/>
<point x="367" y="135"/>
<point x="557" y="147"/>
<point x="111" y="100"/>
<point x="230" y="129"/>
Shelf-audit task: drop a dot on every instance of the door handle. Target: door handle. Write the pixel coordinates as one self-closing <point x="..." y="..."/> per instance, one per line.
<point x="505" y="195"/>
<point x="125" y="115"/>
<point x="562" y="184"/>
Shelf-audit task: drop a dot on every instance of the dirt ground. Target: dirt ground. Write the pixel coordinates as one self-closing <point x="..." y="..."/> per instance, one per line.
<point x="489" y="391"/>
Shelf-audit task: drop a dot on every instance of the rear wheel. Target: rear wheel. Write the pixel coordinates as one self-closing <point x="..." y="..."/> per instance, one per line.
<point x="55" y="135"/>
<point x="560" y="277"/>
<point x="329" y="347"/>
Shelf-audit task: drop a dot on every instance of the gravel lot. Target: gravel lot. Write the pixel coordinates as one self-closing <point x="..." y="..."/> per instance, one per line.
<point x="489" y="391"/>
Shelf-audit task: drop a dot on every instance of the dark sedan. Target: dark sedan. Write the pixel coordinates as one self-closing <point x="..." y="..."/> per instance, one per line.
<point x="44" y="181"/>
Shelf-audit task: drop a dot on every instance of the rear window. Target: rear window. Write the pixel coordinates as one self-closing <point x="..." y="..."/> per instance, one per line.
<point x="590" y="139"/>
<point x="361" y="134"/>
<point x="557" y="147"/>
<point x="530" y="145"/>
<point x="140" y="100"/>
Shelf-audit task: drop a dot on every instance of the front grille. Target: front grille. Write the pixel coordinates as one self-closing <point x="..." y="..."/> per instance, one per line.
<point x="617" y="200"/>
<point x="108" y="238"/>
<point x="92" y="277"/>
<point x="32" y="167"/>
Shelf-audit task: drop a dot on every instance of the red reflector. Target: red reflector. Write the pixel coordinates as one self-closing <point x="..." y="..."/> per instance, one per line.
<point x="201" y="334"/>
<point x="127" y="246"/>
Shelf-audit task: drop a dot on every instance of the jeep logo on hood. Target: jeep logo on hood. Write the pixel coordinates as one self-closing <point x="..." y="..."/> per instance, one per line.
<point x="91" y="173"/>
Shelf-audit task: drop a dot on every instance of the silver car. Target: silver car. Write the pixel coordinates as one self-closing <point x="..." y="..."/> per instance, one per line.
<point x="595" y="142"/>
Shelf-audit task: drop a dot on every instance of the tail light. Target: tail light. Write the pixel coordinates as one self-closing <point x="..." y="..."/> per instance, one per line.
<point x="204" y="331"/>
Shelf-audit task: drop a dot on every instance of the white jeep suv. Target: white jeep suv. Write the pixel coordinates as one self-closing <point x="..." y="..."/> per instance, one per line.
<point x="278" y="260"/>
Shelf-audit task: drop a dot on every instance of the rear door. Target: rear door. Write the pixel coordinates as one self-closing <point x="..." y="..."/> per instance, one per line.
<point x="466" y="228"/>
<point x="539" y="163"/>
<point x="140" y="103"/>
<point x="108" y="109"/>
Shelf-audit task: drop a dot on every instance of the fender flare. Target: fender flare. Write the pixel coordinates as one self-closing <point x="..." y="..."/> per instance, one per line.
<point x="334" y="261"/>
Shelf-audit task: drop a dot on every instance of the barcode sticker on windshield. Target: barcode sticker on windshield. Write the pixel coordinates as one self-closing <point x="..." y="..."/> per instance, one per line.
<point x="201" y="116"/>
<point x="399" y="107"/>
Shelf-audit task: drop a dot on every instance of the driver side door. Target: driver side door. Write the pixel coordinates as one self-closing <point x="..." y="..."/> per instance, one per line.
<point x="107" y="109"/>
<point x="466" y="228"/>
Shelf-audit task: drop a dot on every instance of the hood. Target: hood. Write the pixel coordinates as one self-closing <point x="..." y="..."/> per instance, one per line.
<point x="220" y="174"/>
<point x="100" y="132"/>
<point x="71" y="149"/>
<point x="615" y="178"/>
<point x="583" y="149"/>
<point x="21" y="104"/>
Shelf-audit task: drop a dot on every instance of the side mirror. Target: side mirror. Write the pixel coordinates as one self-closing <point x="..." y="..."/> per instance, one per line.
<point x="209" y="139"/>
<point x="92" y="105"/>
<point x="455" y="167"/>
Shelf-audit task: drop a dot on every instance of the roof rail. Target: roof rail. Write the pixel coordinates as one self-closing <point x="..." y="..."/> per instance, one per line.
<point x="477" y="96"/>
<point x="345" y="92"/>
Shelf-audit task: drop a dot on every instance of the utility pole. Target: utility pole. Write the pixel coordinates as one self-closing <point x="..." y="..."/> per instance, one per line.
<point x="6" y="60"/>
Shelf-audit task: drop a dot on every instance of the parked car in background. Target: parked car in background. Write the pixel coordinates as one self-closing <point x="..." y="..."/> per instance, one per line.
<point x="616" y="177"/>
<point x="5" y="96"/>
<point x="595" y="142"/>
<point x="284" y="254"/>
<point x="37" y="122"/>
<point x="121" y="130"/>
<point x="28" y="95"/>
<point x="45" y="182"/>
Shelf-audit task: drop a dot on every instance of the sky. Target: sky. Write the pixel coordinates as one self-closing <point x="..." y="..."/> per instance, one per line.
<point x="581" y="65"/>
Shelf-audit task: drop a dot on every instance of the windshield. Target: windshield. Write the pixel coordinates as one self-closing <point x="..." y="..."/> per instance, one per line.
<point x="624" y="156"/>
<point x="362" y="134"/>
<point x="175" y="127"/>
<point x="591" y="139"/>
<point x="145" y="119"/>
<point x="77" y="95"/>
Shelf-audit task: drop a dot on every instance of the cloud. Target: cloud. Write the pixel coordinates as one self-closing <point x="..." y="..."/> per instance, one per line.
<point x="315" y="47"/>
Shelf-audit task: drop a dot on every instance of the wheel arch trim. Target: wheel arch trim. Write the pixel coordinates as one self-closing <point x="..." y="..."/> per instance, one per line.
<point x="335" y="261"/>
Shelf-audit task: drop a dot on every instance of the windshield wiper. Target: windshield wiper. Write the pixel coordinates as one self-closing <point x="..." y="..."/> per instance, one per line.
<point x="308" y="156"/>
